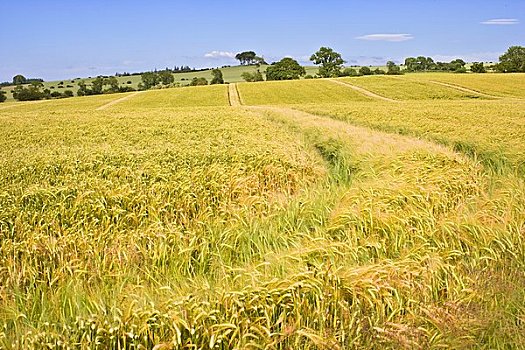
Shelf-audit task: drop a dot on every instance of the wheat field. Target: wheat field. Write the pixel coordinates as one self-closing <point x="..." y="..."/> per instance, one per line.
<point x="311" y="217"/>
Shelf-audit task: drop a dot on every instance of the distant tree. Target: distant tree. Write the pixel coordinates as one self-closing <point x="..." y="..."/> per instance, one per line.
<point x="285" y="69"/>
<point x="149" y="79"/>
<point x="246" y="57"/>
<point x="252" y="77"/>
<point x="392" y="68"/>
<point x="331" y="62"/>
<point x="419" y="64"/>
<point x="30" y="93"/>
<point x="411" y="64"/>
<point x="198" y="81"/>
<point x="68" y="93"/>
<point x="113" y="84"/>
<point x="259" y="60"/>
<point x="457" y="65"/>
<point x="19" y="79"/>
<point x="365" y="70"/>
<point x="46" y="94"/>
<point x="125" y="89"/>
<point x="379" y="71"/>
<point x="97" y="86"/>
<point x="3" y="97"/>
<point x="349" y="72"/>
<point x="166" y="77"/>
<point x="477" y="67"/>
<point x="82" y="88"/>
<point x="217" y="77"/>
<point x="56" y="94"/>
<point x="513" y="60"/>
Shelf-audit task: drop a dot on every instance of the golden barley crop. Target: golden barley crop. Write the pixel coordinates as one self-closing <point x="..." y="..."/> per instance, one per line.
<point x="352" y="224"/>
<point x="400" y="88"/>
<point x="296" y="92"/>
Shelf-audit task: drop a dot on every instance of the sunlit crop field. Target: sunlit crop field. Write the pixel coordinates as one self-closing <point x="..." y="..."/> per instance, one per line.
<point x="401" y="88"/>
<point x="296" y="92"/>
<point x="503" y="85"/>
<point x="312" y="217"/>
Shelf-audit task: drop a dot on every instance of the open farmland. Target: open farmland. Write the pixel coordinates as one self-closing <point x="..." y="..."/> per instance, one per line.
<point x="502" y="85"/>
<point x="313" y="216"/>
<point x="401" y="88"/>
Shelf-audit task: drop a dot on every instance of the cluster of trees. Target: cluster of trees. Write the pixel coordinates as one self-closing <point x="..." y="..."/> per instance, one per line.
<point x="152" y="79"/>
<point x="34" y="92"/>
<point x="101" y="85"/>
<point x="3" y="97"/>
<point x="21" y="80"/>
<point x="176" y="69"/>
<point x="330" y="66"/>
<point x="249" y="58"/>
<point x="512" y="61"/>
<point x="425" y="64"/>
<point x="166" y="79"/>
<point x="252" y="77"/>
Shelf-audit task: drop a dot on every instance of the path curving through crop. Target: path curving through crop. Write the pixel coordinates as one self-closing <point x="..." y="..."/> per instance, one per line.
<point x="114" y="102"/>
<point x="464" y="89"/>
<point x="362" y="91"/>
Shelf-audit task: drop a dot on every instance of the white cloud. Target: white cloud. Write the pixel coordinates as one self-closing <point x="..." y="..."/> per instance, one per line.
<point x="501" y="21"/>
<point x="220" y="54"/>
<point x="386" y="37"/>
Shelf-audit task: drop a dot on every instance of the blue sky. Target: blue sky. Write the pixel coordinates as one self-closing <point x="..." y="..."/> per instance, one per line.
<point x="56" y="39"/>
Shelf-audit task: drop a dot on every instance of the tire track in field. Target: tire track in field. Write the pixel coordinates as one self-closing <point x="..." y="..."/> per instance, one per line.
<point x="233" y="95"/>
<point x="114" y="102"/>
<point x="464" y="89"/>
<point x="362" y="91"/>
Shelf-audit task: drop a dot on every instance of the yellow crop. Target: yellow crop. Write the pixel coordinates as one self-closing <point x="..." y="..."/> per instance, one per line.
<point x="328" y="220"/>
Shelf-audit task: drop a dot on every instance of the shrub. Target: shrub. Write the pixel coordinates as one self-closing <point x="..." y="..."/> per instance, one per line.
<point x="198" y="81"/>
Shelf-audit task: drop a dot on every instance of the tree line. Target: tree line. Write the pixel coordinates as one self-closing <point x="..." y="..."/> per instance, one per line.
<point x="330" y="62"/>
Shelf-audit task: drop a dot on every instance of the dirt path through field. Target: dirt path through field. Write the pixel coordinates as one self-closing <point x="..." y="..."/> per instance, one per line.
<point x="114" y="102"/>
<point x="362" y="91"/>
<point x="464" y="89"/>
<point x="233" y="95"/>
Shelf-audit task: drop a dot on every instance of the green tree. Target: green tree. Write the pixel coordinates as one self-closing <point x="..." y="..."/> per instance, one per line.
<point x="331" y="62"/>
<point x="97" y="85"/>
<point x="252" y="77"/>
<point x="198" y="81"/>
<point x="259" y="60"/>
<point x="246" y="57"/>
<point x="113" y="84"/>
<point x="477" y="67"/>
<point x="411" y="64"/>
<point x="3" y="97"/>
<point x="365" y="70"/>
<point x="285" y="69"/>
<point x="30" y="93"/>
<point x="19" y="79"/>
<point x="166" y="77"/>
<point x="82" y="88"/>
<point x="513" y="60"/>
<point x="217" y="77"/>
<point x="149" y="79"/>
<point x="392" y="68"/>
<point x="349" y="72"/>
